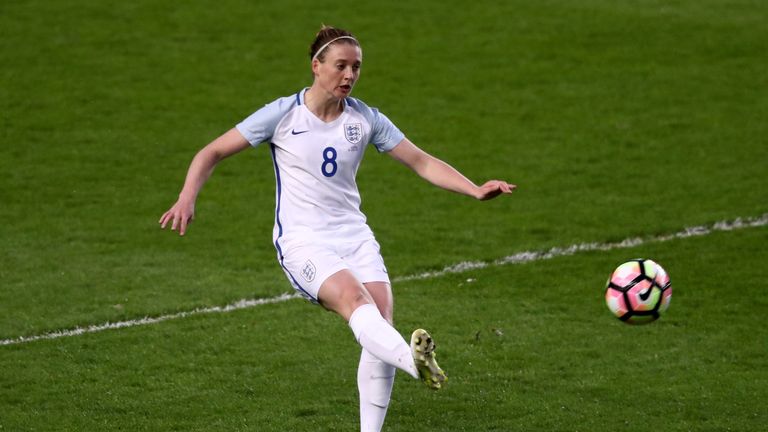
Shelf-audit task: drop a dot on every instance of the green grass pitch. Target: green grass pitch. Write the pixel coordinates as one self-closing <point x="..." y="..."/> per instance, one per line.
<point x="616" y="119"/>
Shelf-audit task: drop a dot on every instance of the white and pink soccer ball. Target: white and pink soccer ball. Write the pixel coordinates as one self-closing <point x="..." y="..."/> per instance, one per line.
<point x="638" y="291"/>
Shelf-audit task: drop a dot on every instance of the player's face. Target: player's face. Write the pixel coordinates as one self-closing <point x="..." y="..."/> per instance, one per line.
<point x="339" y="72"/>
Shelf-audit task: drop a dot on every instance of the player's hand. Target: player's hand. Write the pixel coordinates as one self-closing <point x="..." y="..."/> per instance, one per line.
<point x="493" y="188"/>
<point x="180" y="215"/>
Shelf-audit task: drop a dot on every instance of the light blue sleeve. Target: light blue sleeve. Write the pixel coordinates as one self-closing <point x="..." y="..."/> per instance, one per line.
<point x="260" y="126"/>
<point x="384" y="134"/>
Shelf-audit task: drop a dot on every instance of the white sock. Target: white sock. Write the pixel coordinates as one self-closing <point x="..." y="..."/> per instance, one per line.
<point x="374" y="381"/>
<point x="379" y="338"/>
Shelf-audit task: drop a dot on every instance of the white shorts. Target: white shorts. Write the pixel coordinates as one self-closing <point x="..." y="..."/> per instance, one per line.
<point x="307" y="266"/>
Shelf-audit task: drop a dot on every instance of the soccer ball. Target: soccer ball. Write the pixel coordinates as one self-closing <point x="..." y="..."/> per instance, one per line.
<point x="638" y="291"/>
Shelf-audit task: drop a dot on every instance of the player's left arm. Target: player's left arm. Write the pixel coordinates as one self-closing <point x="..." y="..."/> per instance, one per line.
<point x="443" y="175"/>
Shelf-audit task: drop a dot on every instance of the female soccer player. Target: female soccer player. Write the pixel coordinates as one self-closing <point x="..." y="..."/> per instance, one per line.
<point x="329" y="254"/>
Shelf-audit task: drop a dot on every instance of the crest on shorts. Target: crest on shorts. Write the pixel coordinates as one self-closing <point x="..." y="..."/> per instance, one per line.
<point x="353" y="132"/>
<point x="309" y="271"/>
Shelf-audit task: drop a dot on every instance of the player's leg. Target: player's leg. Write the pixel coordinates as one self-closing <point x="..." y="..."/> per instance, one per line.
<point x="374" y="377"/>
<point x="368" y="266"/>
<point x="374" y="383"/>
<point x="422" y="345"/>
<point x="345" y="295"/>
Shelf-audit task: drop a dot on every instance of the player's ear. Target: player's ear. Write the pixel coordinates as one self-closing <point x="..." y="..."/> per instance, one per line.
<point x="315" y="67"/>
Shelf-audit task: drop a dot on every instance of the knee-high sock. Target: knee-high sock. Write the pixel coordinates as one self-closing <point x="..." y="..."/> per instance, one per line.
<point x="374" y="381"/>
<point x="379" y="338"/>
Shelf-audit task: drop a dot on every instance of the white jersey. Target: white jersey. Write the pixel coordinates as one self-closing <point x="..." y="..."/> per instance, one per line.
<point x="315" y="166"/>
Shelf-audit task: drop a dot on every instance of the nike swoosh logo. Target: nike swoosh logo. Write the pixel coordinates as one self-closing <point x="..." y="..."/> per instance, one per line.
<point x="644" y="295"/>
<point x="293" y="132"/>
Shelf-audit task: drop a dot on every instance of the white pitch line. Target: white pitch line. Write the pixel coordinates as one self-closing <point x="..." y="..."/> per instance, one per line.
<point x="529" y="256"/>
<point x="240" y="304"/>
<point x="518" y="258"/>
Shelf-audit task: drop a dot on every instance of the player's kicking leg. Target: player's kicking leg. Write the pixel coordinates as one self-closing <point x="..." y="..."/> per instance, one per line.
<point x="423" y="350"/>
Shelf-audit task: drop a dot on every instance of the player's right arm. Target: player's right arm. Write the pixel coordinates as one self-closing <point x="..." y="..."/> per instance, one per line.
<point x="181" y="214"/>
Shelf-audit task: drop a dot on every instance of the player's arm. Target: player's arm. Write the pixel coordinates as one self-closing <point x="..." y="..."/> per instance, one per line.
<point x="443" y="175"/>
<point x="182" y="212"/>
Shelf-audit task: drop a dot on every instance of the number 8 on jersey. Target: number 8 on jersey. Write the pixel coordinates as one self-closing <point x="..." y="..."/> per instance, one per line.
<point x="329" y="166"/>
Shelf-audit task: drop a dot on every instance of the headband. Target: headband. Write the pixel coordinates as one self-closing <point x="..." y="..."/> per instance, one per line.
<point x="332" y="41"/>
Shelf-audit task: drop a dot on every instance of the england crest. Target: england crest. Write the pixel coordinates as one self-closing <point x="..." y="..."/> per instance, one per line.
<point x="309" y="271"/>
<point x="353" y="132"/>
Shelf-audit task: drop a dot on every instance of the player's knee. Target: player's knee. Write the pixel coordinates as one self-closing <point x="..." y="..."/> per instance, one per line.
<point x="353" y="295"/>
<point x="359" y="298"/>
<point x="354" y="300"/>
<point x="346" y="301"/>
